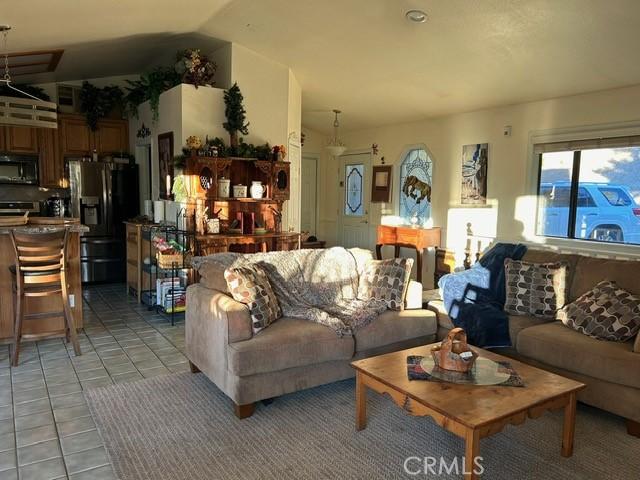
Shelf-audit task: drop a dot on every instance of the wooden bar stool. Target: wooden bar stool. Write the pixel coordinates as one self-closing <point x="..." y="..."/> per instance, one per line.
<point x="39" y="271"/>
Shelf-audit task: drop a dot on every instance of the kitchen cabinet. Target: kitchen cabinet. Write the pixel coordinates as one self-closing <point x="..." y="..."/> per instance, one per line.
<point x="21" y="140"/>
<point x="3" y="143"/>
<point x="112" y="136"/>
<point x="51" y="163"/>
<point x="76" y="138"/>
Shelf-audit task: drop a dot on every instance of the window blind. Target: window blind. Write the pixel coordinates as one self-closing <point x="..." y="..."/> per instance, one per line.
<point x="572" y="145"/>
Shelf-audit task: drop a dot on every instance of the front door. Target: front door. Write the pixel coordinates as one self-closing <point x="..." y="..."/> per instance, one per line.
<point x="354" y="212"/>
<point x="309" y="195"/>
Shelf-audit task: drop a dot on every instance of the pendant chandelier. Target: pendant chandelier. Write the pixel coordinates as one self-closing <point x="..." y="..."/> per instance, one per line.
<point x="335" y="146"/>
<point x="20" y="111"/>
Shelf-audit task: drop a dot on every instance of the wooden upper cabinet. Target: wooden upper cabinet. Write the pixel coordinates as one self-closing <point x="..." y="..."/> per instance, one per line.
<point x="51" y="164"/>
<point x="75" y="136"/>
<point x="112" y="136"/>
<point x="21" y="140"/>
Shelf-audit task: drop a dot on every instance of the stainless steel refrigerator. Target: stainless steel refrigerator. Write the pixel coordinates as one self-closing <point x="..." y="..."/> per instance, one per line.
<point x="103" y="196"/>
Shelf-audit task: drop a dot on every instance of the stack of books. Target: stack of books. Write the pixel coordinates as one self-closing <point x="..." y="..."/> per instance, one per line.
<point x="171" y="295"/>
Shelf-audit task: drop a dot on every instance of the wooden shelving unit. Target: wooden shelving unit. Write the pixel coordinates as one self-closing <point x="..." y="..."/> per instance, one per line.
<point x="203" y="174"/>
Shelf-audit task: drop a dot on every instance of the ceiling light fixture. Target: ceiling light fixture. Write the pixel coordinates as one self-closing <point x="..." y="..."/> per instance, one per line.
<point x="29" y="111"/>
<point x="416" y="16"/>
<point x="335" y="146"/>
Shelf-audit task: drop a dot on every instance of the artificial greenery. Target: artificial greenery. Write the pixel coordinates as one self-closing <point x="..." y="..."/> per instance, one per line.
<point x="235" y="113"/>
<point x="97" y="103"/>
<point x="38" y="92"/>
<point x="242" y="150"/>
<point x="194" y="68"/>
<point x="149" y="87"/>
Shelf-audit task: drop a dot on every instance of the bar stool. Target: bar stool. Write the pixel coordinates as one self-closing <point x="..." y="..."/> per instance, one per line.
<point x="39" y="271"/>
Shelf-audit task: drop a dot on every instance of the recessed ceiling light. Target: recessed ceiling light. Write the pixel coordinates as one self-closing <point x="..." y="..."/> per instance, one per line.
<point x="417" y="16"/>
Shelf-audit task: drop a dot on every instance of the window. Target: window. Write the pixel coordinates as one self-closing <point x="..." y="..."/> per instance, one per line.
<point x="354" y="194"/>
<point x="590" y="190"/>
<point x="415" y="187"/>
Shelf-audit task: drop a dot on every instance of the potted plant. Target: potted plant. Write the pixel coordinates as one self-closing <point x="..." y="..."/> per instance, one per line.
<point x="236" y="115"/>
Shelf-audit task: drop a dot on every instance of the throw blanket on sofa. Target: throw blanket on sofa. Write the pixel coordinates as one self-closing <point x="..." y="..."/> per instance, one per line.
<point x="475" y="298"/>
<point x="316" y="285"/>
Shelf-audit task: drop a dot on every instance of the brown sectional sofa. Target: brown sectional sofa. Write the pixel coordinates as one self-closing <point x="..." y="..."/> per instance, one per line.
<point x="611" y="370"/>
<point x="291" y="354"/>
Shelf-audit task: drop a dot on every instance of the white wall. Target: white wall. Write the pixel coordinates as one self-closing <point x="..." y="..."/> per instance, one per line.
<point x="170" y="120"/>
<point x="265" y="87"/>
<point x="328" y="178"/>
<point x="222" y="59"/>
<point x="509" y="214"/>
<point x="202" y="113"/>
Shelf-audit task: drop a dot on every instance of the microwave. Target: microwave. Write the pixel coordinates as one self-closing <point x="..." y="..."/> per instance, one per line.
<point x="19" y="169"/>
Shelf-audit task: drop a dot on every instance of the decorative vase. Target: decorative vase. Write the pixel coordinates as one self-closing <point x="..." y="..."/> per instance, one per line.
<point x="224" y="184"/>
<point x="257" y="190"/>
<point x="239" y="191"/>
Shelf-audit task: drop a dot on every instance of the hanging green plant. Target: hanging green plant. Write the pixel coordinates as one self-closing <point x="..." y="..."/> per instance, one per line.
<point x="97" y="103"/>
<point x="149" y="87"/>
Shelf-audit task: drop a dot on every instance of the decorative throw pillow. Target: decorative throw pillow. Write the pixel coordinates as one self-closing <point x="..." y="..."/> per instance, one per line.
<point x="249" y="285"/>
<point x="607" y="312"/>
<point x="386" y="280"/>
<point x="536" y="289"/>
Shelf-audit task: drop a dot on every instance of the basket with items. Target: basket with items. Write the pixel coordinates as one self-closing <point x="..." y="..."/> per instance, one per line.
<point x="170" y="254"/>
<point x="454" y="352"/>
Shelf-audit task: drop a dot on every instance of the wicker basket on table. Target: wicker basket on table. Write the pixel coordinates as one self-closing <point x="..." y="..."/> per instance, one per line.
<point x="454" y="352"/>
<point x="169" y="260"/>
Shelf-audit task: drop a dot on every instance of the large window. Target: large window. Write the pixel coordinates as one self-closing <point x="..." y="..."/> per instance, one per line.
<point x="590" y="190"/>
<point x="415" y="187"/>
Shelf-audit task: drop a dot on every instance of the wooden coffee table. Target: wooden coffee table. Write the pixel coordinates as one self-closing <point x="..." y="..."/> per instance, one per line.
<point x="469" y="411"/>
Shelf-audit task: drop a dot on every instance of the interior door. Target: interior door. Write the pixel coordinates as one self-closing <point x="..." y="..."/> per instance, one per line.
<point x="309" y="192"/>
<point x="354" y="212"/>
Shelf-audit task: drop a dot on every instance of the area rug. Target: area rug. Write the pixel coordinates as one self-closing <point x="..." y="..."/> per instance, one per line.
<point x="182" y="427"/>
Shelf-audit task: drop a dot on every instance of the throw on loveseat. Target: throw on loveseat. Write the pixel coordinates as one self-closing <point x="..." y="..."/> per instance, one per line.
<point x="611" y="370"/>
<point x="291" y="354"/>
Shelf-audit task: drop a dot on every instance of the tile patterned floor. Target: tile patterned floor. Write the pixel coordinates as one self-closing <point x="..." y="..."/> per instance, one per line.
<point x="46" y="431"/>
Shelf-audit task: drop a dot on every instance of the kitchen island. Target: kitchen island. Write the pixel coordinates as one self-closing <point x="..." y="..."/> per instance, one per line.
<point x="44" y="304"/>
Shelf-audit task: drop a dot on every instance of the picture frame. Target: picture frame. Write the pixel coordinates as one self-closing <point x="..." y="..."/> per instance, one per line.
<point x="475" y="168"/>
<point x="381" y="183"/>
<point x="165" y="165"/>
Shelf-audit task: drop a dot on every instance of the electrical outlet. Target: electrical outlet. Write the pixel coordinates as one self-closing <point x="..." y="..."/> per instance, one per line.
<point x="72" y="300"/>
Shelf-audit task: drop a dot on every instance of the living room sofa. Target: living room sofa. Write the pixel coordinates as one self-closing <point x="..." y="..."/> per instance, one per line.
<point x="291" y="354"/>
<point x="611" y="370"/>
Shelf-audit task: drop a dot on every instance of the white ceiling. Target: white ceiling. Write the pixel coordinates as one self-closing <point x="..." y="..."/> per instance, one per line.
<point x="360" y="55"/>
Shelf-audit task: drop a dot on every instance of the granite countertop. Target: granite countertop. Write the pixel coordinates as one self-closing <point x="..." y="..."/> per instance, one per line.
<point x="74" y="228"/>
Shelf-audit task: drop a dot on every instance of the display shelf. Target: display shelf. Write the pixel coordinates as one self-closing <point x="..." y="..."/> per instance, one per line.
<point x="189" y="242"/>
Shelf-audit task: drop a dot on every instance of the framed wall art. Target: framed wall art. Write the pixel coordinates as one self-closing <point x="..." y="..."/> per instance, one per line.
<point x="381" y="184"/>
<point x="475" y="166"/>
<point x="165" y="165"/>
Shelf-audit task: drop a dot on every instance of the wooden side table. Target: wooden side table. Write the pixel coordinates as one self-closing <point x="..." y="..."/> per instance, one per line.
<point x="417" y="238"/>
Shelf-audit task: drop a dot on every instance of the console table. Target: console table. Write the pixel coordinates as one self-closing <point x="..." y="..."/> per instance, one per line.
<point x="417" y="238"/>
